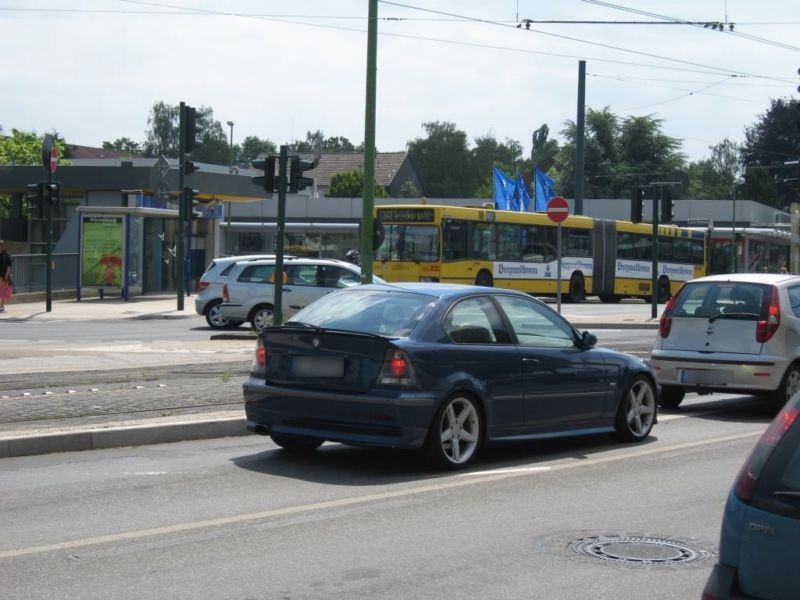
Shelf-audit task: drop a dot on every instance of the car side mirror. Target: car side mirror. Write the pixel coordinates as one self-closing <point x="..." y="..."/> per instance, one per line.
<point x="588" y="339"/>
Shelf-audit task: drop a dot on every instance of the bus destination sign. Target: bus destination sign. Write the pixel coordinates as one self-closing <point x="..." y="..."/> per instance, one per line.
<point x="414" y="215"/>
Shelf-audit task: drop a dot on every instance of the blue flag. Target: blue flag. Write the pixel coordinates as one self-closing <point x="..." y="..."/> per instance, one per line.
<point x="504" y="188"/>
<point x="524" y="199"/>
<point x="544" y="191"/>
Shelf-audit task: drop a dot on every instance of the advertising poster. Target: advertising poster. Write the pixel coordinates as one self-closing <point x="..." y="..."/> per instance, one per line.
<point x="101" y="252"/>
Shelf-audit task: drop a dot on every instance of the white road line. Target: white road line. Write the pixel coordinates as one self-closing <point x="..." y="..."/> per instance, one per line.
<point x="451" y="483"/>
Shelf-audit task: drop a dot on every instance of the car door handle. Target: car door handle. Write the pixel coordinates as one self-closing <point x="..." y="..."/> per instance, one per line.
<point x="530" y="361"/>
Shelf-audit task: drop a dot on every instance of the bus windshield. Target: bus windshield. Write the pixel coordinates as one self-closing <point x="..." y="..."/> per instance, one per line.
<point x="409" y="242"/>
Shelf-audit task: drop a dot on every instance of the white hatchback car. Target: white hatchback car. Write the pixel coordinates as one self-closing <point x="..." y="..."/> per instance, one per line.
<point x="209" y="296"/>
<point x="737" y="333"/>
<point x="249" y="293"/>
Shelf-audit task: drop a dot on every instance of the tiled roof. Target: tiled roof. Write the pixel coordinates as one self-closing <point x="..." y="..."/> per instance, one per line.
<point x="386" y="165"/>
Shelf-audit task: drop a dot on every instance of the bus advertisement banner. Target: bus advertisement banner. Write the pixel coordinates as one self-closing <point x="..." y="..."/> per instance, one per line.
<point x="640" y="269"/>
<point x="547" y="270"/>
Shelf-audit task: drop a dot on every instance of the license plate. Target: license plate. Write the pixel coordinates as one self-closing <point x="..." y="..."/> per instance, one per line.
<point x="706" y="376"/>
<point x="318" y="366"/>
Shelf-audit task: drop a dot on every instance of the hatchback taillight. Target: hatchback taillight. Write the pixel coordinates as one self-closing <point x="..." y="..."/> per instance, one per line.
<point x="766" y="328"/>
<point x="225" y="297"/>
<point x="665" y="323"/>
<point x="397" y="369"/>
<point x="203" y="285"/>
<point x="748" y="476"/>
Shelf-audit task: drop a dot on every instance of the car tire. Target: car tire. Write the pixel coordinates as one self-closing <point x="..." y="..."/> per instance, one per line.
<point x="213" y="317"/>
<point x="789" y="385"/>
<point x="296" y="443"/>
<point x="636" y="414"/>
<point x="671" y="396"/>
<point x="261" y="316"/>
<point x="456" y="434"/>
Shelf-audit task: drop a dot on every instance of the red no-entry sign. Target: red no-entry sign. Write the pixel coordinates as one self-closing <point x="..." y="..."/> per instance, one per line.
<point x="557" y="209"/>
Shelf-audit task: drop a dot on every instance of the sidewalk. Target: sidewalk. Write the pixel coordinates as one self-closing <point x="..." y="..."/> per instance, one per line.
<point x="94" y="421"/>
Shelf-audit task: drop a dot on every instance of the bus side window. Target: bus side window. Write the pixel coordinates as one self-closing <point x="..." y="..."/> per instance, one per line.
<point x="455" y="239"/>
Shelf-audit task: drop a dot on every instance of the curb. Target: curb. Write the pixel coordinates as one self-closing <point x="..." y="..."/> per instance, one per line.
<point x="117" y="437"/>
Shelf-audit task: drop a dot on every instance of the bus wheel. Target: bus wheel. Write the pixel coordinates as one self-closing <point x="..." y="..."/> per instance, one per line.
<point x="484" y="278"/>
<point x="610" y="298"/>
<point x="663" y="290"/>
<point x="577" y="290"/>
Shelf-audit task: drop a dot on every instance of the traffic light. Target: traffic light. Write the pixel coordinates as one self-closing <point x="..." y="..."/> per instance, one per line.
<point x="35" y="198"/>
<point x="296" y="168"/>
<point x="267" y="180"/>
<point x="52" y="192"/>
<point x="667" y="205"/>
<point x="188" y="167"/>
<point x="190" y="202"/>
<point x="190" y="128"/>
<point x="637" y="204"/>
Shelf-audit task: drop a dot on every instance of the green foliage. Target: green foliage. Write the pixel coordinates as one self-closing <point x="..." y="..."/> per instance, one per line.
<point x="329" y="144"/>
<point x="543" y="149"/>
<point x="350" y="184"/>
<point x="617" y="155"/>
<point x="409" y="190"/>
<point x="443" y="161"/>
<point x="253" y="147"/>
<point x="25" y="148"/>
<point x="769" y="142"/>
<point x="126" y="145"/>
<point x="163" y="132"/>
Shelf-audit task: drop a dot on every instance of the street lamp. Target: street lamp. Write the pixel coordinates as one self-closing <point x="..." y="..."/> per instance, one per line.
<point x="228" y="211"/>
<point x="735" y="249"/>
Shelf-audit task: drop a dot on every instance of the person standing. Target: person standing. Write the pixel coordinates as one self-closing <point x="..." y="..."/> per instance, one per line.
<point x="6" y="288"/>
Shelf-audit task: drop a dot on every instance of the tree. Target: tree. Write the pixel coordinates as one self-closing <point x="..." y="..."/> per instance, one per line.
<point x="617" y="155"/>
<point x="543" y="150"/>
<point x="770" y="142"/>
<point x="163" y="132"/>
<point x="212" y="141"/>
<point x="253" y="147"/>
<point x="123" y="144"/>
<point x="443" y="162"/>
<point x="330" y="144"/>
<point x="409" y="190"/>
<point x="25" y="148"/>
<point x="350" y="184"/>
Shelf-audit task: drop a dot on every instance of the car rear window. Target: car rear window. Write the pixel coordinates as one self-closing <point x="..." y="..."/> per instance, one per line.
<point x="388" y="313"/>
<point x="707" y="299"/>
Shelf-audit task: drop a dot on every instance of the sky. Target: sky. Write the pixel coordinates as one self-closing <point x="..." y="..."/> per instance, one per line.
<point x="92" y="69"/>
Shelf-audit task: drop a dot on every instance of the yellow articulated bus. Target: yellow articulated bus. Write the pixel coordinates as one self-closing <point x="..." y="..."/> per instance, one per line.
<point x="519" y="250"/>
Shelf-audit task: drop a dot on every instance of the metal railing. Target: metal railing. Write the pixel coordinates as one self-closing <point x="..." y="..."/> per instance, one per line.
<point x="28" y="271"/>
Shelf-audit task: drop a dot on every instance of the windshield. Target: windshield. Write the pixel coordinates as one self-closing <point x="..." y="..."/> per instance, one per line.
<point x="382" y="312"/>
<point x="409" y="242"/>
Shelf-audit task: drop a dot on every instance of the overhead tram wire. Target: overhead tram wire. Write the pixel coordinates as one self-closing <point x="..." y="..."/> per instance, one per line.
<point x="710" y="69"/>
<point x="685" y="92"/>
<point x="579" y="40"/>
<point x="702" y="25"/>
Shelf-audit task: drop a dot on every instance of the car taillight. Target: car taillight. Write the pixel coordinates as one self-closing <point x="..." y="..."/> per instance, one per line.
<point x="748" y="476"/>
<point x="665" y="323"/>
<point x="397" y="369"/>
<point x="260" y="358"/>
<point x="203" y="285"/>
<point x="225" y="297"/>
<point x="766" y="328"/>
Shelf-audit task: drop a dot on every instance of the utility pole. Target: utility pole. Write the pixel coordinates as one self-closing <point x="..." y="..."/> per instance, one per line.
<point x="368" y="201"/>
<point x="580" y="135"/>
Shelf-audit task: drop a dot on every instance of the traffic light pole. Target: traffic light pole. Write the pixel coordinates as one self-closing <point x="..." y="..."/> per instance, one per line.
<point x="654" y="279"/>
<point x="277" y="309"/>
<point x="49" y="270"/>
<point x="367" y="227"/>
<point x="180" y="254"/>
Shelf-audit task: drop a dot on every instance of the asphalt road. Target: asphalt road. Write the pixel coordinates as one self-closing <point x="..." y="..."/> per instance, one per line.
<point x="238" y="518"/>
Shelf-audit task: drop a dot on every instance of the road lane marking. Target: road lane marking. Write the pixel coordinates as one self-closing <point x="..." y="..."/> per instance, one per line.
<point x="479" y="477"/>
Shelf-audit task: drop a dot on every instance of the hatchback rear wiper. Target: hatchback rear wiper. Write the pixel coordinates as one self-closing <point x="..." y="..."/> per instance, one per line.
<point x="736" y="315"/>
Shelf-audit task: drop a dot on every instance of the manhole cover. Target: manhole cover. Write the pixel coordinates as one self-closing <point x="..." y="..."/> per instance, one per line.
<point x="638" y="550"/>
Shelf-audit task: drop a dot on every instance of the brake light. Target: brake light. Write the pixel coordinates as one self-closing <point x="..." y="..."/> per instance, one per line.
<point x="748" y="476"/>
<point x="766" y="328"/>
<point x="397" y="369"/>
<point x="260" y="358"/>
<point x="225" y="296"/>
<point x="665" y="323"/>
<point x="203" y="285"/>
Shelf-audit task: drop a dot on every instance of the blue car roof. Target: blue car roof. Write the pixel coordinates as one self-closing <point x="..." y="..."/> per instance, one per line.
<point x="439" y="290"/>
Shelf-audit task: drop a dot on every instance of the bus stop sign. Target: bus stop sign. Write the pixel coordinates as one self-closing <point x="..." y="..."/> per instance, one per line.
<point x="557" y="209"/>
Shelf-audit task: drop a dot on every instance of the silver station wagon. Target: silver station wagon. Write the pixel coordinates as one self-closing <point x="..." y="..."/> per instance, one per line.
<point x="737" y="333"/>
